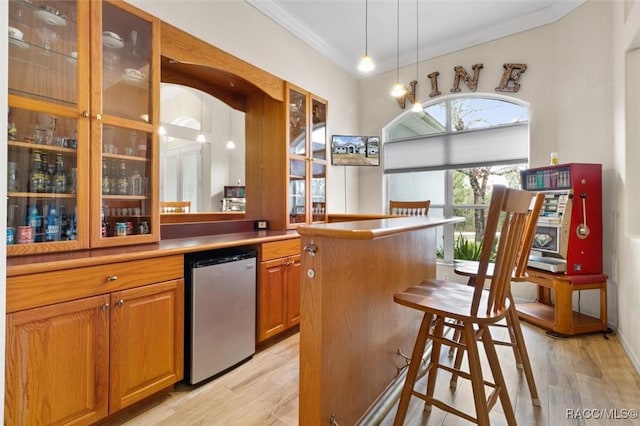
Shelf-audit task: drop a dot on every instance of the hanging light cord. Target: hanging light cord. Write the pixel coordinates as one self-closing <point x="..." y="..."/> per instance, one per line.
<point x="366" y="27"/>
<point x="398" y="41"/>
<point x="417" y="35"/>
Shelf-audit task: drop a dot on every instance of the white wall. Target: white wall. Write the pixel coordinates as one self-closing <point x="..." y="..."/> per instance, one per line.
<point x="569" y="87"/>
<point x="627" y="152"/>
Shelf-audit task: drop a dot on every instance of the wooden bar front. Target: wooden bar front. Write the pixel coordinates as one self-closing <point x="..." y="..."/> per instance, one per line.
<point x="350" y="328"/>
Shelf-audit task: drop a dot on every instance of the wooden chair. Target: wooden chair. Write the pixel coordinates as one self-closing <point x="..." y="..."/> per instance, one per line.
<point x="470" y="310"/>
<point x="409" y="208"/>
<point x="175" y="206"/>
<point x="512" y="322"/>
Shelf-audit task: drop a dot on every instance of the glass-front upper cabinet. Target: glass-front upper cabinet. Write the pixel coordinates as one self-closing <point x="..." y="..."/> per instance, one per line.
<point x="48" y="132"/>
<point x="124" y="112"/>
<point x="306" y="118"/>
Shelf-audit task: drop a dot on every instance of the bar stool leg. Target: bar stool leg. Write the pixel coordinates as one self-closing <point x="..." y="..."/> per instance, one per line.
<point x="524" y="356"/>
<point x="413" y="370"/>
<point x="438" y="333"/>
<point x="475" y="371"/>
<point x="498" y="378"/>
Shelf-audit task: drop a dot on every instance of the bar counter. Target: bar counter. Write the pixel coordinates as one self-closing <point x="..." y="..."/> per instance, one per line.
<point x="21" y="265"/>
<point x="350" y="328"/>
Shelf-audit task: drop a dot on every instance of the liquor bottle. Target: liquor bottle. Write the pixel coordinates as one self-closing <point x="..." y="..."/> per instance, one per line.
<point x="34" y="221"/>
<point x="52" y="232"/>
<point x="46" y="172"/>
<point x="136" y="183"/>
<point x="59" y="177"/>
<point x="122" y="184"/>
<point x="105" y="225"/>
<point x="106" y="179"/>
<point x="72" y="230"/>
<point x="36" y="176"/>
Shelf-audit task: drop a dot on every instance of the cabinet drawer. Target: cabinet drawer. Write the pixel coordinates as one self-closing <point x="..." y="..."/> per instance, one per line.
<point x="276" y="249"/>
<point x="29" y="291"/>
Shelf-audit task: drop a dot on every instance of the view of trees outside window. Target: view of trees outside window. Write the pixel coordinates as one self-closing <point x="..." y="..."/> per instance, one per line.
<point x="467" y="191"/>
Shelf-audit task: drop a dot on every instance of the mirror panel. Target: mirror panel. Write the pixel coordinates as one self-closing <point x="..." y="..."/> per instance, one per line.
<point x="198" y="171"/>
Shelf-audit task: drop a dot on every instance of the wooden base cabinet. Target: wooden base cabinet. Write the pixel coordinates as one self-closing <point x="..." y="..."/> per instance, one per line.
<point x="78" y="361"/>
<point x="278" y="288"/>
<point x="57" y="366"/>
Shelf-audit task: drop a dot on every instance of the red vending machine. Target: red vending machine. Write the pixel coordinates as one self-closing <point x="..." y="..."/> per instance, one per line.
<point x="568" y="238"/>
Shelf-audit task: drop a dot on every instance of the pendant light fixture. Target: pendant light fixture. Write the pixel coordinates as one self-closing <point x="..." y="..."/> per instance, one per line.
<point x="398" y="89"/>
<point x="417" y="106"/>
<point x="366" y="63"/>
<point x="201" y="137"/>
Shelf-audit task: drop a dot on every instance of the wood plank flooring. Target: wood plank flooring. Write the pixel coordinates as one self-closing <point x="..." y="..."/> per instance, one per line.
<point x="584" y="372"/>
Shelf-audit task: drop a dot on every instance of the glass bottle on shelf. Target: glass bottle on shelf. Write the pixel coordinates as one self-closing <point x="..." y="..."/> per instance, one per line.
<point x="59" y="177"/>
<point x="106" y="179"/>
<point x="52" y="232"/>
<point x="123" y="181"/>
<point x="36" y="175"/>
<point x="136" y="183"/>
<point x="34" y="221"/>
<point x="46" y="172"/>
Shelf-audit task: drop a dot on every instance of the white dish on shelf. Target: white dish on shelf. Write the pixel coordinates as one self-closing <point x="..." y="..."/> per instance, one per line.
<point x="15" y="33"/>
<point x="19" y="43"/>
<point x="51" y="16"/>
<point x="112" y="40"/>
<point x="134" y="74"/>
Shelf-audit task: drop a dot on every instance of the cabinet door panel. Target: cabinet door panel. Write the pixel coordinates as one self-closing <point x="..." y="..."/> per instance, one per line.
<point x="57" y="363"/>
<point x="146" y="341"/>
<point x="271" y="298"/>
<point x="293" y="289"/>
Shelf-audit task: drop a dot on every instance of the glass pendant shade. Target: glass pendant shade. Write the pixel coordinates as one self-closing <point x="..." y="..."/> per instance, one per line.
<point x="366" y="64"/>
<point x="398" y="90"/>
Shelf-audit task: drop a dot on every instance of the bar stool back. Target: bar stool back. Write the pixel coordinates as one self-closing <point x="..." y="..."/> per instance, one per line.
<point x="409" y="208"/>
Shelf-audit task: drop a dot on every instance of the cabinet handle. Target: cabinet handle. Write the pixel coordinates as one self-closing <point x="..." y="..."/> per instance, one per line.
<point x="104" y="307"/>
<point x="85" y="114"/>
<point x="112" y="278"/>
<point x="311" y="249"/>
<point x="120" y="302"/>
<point x="99" y="117"/>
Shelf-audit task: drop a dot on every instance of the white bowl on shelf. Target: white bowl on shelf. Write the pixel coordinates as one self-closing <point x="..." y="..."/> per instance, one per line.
<point x="15" y="33"/>
<point x="112" y="40"/>
<point x="51" y="16"/>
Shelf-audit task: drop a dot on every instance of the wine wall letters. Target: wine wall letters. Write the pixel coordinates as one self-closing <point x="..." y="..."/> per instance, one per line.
<point x="510" y="81"/>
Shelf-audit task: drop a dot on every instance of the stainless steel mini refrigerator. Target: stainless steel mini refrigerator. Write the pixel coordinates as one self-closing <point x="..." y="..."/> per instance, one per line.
<point x="220" y="312"/>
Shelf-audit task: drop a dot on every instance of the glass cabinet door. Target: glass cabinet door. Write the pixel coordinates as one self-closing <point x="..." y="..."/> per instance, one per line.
<point x="47" y="136"/>
<point x="123" y="157"/>
<point x="306" y="117"/>
<point x="318" y="159"/>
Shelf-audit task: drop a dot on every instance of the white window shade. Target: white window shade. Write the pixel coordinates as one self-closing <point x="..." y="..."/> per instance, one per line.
<point x="507" y="144"/>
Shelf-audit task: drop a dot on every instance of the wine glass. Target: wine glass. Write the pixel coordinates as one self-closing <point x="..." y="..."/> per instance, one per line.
<point x="134" y="40"/>
<point x="48" y="38"/>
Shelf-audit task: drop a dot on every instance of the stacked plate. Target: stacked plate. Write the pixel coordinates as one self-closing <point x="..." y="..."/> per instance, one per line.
<point x="112" y="40"/>
<point x="51" y="16"/>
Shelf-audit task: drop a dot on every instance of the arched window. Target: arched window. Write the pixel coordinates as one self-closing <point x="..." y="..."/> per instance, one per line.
<point x="452" y="153"/>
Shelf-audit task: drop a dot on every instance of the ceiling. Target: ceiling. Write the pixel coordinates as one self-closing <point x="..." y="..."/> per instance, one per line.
<point x="336" y="28"/>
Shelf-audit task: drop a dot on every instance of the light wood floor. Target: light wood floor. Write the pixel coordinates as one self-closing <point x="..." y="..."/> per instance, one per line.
<point x="586" y="372"/>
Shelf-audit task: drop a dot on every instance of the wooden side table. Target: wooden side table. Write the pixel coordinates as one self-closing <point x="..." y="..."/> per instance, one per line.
<point x="559" y="318"/>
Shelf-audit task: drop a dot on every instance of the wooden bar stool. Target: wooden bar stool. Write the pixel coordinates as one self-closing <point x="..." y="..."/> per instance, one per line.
<point x="512" y="323"/>
<point x="470" y="310"/>
<point x="409" y="208"/>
